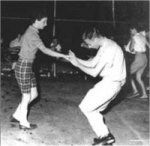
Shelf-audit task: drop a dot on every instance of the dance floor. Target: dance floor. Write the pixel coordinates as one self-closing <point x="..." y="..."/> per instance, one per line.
<point x="60" y="121"/>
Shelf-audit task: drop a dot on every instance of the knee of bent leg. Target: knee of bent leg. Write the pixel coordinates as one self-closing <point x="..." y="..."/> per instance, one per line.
<point x="83" y="108"/>
<point x="138" y="76"/>
<point x="34" y="93"/>
<point x="80" y="106"/>
<point x="26" y="97"/>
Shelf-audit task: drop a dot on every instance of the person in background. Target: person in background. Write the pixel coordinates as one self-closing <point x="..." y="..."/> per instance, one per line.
<point x="15" y="42"/>
<point x="1" y="41"/>
<point x="30" y="43"/>
<point x="5" y="56"/>
<point x="137" y="46"/>
<point x="147" y="73"/>
<point x="14" y="48"/>
<point x="2" y="48"/>
<point x="55" y="45"/>
<point x="108" y="63"/>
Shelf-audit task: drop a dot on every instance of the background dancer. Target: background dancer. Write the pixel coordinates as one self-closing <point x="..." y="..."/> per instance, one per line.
<point x="137" y="45"/>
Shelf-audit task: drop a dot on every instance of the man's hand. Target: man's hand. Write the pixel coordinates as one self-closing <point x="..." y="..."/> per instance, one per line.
<point x="71" y="54"/>
<point x="72" y="58"/>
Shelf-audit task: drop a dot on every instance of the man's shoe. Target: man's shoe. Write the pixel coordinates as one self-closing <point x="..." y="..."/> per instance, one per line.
<point x="13" y="120"/>
<point x="32" y="126"/>
<point x="107" y="140"/>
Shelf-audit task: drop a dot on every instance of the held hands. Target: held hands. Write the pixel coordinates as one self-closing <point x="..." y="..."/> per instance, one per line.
<point x="66" y="57"/>
<point x="72" y="58"/>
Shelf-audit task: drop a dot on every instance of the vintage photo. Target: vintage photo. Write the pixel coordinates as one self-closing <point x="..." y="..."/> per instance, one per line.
<point x="75" y="73"/>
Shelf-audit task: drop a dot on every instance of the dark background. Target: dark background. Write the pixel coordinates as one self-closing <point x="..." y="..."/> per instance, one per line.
<point x="15" y="18"/>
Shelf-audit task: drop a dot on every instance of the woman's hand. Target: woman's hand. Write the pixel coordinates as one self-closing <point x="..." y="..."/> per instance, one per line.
<point x="73" y="59"/>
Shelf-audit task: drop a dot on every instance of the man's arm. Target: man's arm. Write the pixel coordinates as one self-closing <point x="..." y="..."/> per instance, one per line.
<point x="89" y="63"/>
<point x="101" y="63"/>
<point x="93" y="71"/>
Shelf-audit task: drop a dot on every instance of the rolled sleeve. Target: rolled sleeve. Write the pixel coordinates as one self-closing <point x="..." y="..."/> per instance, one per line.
<point x="36" y="42"/>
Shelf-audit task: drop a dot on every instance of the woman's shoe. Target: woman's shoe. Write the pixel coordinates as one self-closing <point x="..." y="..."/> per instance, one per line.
<point x="133" y="95"/>
<point x="13" y="120"/>
<point x="32" y="126"/>
<point x="148" y="88"/>
<point x="144" y="96"/>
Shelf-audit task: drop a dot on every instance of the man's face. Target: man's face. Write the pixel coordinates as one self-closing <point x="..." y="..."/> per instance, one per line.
<point x="42" y="23"/>
<point x="92" y="43"/>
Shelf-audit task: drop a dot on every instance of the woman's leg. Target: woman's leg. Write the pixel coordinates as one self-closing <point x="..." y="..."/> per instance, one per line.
<point x="34" y="93"/>
<point x="22" y="110"/>
<point x="134" y="86"/>
<point x="141" y="83"/>
<point x="133" y="71"/>
<point x="23" y="73"/>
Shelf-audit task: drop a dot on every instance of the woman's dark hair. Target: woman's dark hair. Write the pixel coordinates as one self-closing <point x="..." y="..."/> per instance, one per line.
<point x="138" y="26"/>
<point x="90" y="33"/>
<point x="38" y="15"/>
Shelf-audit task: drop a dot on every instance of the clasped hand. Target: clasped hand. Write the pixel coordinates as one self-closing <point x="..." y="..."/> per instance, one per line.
<point x="71" y="58"/>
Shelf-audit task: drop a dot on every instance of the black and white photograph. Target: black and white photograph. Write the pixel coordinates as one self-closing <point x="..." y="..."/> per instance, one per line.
<point x="75" y="73"/>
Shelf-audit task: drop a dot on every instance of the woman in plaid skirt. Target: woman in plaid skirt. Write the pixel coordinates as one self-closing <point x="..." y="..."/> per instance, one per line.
<point x="30" y="43"/>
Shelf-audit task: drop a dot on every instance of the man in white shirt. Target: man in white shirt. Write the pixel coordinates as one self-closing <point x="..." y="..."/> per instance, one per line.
<point x="109" y="63"/>
<point x="137" y="45"/>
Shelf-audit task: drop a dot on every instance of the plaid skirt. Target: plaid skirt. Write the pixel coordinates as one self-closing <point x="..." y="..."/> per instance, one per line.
<point x="25" y="76"/>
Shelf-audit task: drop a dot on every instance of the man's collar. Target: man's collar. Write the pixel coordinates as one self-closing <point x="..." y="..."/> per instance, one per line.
<point x="34" y="28"/>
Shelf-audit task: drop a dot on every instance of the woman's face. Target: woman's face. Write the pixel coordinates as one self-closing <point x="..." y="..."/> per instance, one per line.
<point x="133" y="31"/>
<point x="41" y="23"/>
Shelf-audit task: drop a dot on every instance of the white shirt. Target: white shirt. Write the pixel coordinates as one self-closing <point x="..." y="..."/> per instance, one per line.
<point x="127" y="48"/>
<point x="115" y="68"/>
<point x="140" y="43"/>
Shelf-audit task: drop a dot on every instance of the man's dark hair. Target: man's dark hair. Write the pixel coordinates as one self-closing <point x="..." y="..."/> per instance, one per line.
<point x="38" y="15"/>
<point x="90" y="33"/>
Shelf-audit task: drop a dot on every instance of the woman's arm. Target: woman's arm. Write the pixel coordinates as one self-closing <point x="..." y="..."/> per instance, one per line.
<point x="37" y="42"/>
<point x="147" y="44"/>
<point x="131" y="46"/>
<point x="52" y="53"/>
